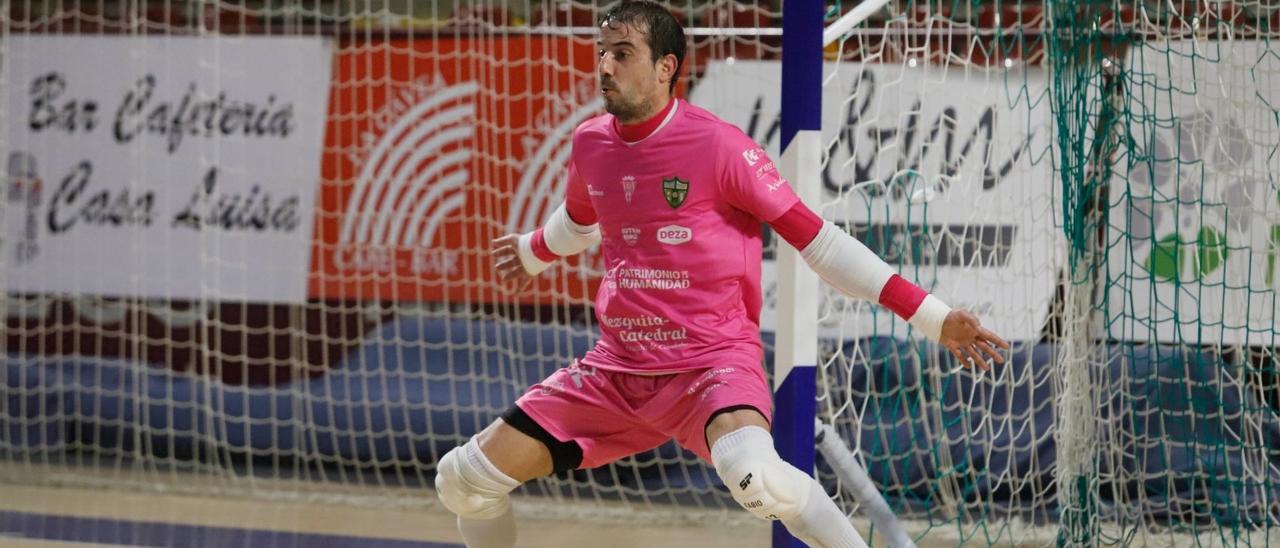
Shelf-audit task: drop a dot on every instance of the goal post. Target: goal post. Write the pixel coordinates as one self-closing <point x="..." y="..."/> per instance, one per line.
<point x="1134" y="285"/>
<point x="796" y="355"/>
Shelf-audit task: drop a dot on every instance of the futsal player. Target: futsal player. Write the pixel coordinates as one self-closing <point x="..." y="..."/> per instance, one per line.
<point x="675" y="197"/>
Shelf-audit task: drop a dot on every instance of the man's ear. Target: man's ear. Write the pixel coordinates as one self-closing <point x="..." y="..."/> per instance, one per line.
<point x="667" y="66"/>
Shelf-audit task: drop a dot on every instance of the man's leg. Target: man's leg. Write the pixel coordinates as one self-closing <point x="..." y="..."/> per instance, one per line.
<point x="474" y="480"/>
<point x="768" y="487"/>
<point x="570" y="420"/>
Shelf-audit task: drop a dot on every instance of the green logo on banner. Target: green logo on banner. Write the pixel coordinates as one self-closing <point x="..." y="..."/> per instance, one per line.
<point x="1173" y="258"/>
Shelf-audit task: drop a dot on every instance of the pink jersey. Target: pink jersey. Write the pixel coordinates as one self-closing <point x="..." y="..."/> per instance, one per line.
<point x="680" y="212"/>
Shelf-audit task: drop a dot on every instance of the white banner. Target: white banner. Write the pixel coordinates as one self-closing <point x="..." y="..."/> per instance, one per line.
<point x="1194" y="235"/>
<point x="971" y="146"/>
<point x="176" y="167"/>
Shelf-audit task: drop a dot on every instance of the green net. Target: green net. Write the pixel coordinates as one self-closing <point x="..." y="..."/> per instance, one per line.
<point x="1167" y="136"/>
<point x="1097" y="180"/>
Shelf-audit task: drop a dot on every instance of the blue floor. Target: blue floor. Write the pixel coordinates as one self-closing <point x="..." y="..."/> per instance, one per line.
<point x="19" y="525"/>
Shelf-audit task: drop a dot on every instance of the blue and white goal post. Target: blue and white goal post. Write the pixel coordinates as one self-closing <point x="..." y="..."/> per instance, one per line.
<point x="796" y="351"/>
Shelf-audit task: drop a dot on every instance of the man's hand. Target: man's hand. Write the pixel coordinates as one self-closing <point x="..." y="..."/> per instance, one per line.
<point x="967" y="340"/>
<point x="506" y="262"/>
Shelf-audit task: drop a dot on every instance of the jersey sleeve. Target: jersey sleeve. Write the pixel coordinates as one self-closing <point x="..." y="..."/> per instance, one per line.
<point x="577" y="200"/>
<point x="798" y="226"/>
<point x="749" y="180"/>
<point x="581" y="213"/>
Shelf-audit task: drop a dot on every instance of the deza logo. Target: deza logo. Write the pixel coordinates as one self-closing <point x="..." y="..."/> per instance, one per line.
<point x="1190" y="195"/>
<point x="674" y="234"/>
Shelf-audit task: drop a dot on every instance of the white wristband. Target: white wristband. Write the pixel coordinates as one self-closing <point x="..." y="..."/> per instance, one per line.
<point x="532" y="264"/>
<point x="930" y="317"/>
<point x="562" y="236"/>
<point x="565" y="237"/>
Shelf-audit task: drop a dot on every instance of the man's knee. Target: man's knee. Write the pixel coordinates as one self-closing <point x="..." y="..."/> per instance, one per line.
<point x="470" y="486"/>
<point x="564" y="455"/>
<point x="757" y="477"/>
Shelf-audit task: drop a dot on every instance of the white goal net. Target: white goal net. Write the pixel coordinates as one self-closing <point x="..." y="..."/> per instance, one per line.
<point x="248" y="241"/>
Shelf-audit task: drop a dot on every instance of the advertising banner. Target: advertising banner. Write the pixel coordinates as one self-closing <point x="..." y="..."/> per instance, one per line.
<point x="1195" y="226"/>
<point x="434" y="148"/>
<point x="166" y="167"/>
<point x="945" y="174"/>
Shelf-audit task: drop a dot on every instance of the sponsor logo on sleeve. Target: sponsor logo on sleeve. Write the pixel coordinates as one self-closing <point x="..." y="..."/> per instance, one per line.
<point x="769" y="172"/>
<point x="674" y="234"/>
<point x="752" y="155"/>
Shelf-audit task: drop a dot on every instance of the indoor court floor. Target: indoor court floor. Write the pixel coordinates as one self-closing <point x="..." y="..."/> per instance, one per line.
<point x="63" y="516"/>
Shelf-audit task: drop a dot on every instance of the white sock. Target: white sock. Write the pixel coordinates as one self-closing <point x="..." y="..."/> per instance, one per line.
<point x="821" y="524"/>
<point x="500" y="531"/>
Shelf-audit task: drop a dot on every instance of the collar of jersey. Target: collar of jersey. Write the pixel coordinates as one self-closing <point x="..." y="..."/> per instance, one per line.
<point x="634" y="134"/>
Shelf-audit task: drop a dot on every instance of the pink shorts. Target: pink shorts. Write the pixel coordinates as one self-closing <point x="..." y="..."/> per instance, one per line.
<point x="612" y="415"/>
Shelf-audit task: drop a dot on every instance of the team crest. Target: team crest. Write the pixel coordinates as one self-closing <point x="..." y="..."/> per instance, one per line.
<point x="628" y="187"/>
<point x="675" y="191"/>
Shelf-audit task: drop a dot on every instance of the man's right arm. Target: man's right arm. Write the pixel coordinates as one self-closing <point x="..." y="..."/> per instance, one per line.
<point x="570" y="230"/>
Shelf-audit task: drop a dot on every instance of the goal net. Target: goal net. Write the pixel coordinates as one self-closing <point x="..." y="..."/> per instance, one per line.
<point x="244" y="251"/>
<point x="1170" y="424"/>
<point x="1096" y="181"/>
<point x="245" y="243"/>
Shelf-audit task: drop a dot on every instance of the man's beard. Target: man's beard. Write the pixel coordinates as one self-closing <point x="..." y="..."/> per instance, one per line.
<point x="622" y="109"/>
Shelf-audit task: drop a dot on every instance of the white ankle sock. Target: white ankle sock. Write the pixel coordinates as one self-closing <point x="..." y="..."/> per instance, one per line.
<point x="500" y="531"/>
<point x="822" y="524"/>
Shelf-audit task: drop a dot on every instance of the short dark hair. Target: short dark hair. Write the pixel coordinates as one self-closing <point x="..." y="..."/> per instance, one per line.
<point x="663" y="32"/>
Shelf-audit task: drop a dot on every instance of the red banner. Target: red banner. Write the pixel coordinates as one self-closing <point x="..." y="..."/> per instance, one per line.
<point x="435" y="147"/>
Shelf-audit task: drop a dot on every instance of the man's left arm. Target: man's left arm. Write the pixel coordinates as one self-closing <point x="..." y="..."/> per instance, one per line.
<point x="751" y="182"/>
<point x="844" y="262"/>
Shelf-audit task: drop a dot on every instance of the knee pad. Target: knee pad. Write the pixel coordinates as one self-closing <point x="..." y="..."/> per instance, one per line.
<point x="471" y="486"/>
<point x="759" y="480"/>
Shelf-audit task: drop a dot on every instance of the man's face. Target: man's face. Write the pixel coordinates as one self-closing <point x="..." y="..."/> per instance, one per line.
<point x="629" y="78"/>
